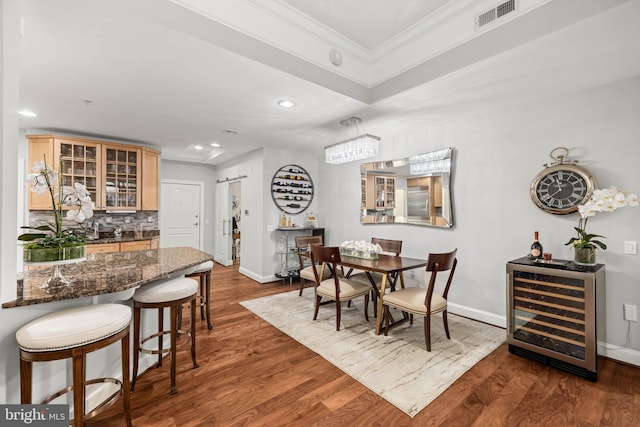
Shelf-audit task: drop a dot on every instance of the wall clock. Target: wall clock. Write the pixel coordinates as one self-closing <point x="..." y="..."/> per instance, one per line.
<point x="292" y="189"/>
<point x="562" y="185"/>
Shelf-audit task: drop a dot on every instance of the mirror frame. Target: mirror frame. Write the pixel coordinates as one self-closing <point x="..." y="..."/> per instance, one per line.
<point x="423" y="178"/>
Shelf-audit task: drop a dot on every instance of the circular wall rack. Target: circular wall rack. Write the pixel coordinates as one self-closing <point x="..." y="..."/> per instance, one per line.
<point x="292" y="189"/>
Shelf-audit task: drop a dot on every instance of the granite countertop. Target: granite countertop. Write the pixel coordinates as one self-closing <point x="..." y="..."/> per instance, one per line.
<point x="106" y="273"/>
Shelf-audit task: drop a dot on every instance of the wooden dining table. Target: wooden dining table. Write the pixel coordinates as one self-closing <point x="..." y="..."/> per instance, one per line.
<point x="385" y="265"/>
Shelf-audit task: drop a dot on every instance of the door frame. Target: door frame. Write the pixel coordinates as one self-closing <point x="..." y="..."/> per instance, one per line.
<point x="200" y="185"/>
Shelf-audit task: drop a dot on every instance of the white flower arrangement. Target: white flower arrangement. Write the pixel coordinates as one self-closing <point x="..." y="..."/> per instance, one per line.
<point x="360" y="249"/>
<point x="604" y="200"/>
<point x="52" y="234"/>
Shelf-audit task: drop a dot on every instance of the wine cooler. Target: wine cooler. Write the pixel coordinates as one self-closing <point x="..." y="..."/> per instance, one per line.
<point x="556" y="313"/>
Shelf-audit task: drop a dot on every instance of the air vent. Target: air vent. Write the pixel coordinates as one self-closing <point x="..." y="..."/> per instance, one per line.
<point x="495" y="13"/>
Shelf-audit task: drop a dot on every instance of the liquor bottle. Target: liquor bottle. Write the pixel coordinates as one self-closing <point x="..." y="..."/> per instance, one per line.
<point x="536" y="248"/>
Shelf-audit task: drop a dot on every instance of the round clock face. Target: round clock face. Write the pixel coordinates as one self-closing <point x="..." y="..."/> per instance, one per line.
<point x="560" y="189"/>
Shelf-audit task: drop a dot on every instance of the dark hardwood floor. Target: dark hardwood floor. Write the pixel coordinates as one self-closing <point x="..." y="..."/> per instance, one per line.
<point x="252" y="374"/>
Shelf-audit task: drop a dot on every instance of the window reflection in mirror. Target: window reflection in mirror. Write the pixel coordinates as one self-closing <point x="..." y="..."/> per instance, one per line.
<point x="414" y="190"/>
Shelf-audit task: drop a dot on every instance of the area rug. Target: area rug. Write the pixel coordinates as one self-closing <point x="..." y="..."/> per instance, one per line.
<point x="396" y="367"/>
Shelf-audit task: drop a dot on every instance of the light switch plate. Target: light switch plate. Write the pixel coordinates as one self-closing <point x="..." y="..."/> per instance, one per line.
<point x="630" y="247"/>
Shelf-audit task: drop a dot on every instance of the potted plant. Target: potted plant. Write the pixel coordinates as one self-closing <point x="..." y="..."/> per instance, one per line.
<point x="51" y="242"/>
<point x="605" y="200"/>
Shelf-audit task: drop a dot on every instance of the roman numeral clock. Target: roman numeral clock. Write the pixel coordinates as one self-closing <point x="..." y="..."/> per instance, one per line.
<point x="562" y="185"/>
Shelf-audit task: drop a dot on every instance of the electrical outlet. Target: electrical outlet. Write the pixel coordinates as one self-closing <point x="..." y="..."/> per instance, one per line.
<point x="630" y="312"/>
<point x="630" y="247"/>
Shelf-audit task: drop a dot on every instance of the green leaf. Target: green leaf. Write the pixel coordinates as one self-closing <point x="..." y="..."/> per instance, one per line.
<point x="27" y="237"/>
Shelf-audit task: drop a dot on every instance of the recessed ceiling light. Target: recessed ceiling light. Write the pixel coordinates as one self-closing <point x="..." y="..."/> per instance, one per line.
<point x="27" y="113"/>
<point x="215" y="145"/>
<point x="198" y="147"/>
<point x="286" y="103"/>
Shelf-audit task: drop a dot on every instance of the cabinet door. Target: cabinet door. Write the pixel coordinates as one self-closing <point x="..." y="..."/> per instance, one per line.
<point x="135" y="246"/>
<point x="150" y="179"/>
<point x="80" y="163"/>
<point x="40" y="148"/>
<point x="390" y="193"/>
<point x="155" y="244"/>
<point x="121" y="177"/>
<point x="99" y="248"/>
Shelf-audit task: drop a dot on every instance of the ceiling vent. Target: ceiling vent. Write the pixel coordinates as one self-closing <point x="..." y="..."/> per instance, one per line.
<point x="496" y="13"/>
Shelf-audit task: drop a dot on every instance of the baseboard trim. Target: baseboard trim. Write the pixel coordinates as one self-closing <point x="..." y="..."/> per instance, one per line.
<point x="479" y="315"/>
<point x="258" y="278"/>
<point x="622" y="354"/>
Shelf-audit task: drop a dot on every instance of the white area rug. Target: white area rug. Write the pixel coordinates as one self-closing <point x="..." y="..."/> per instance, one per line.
<point x="396" y="367"/>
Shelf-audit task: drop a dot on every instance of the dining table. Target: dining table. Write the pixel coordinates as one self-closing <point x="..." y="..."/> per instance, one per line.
<point x="386" y="265"/>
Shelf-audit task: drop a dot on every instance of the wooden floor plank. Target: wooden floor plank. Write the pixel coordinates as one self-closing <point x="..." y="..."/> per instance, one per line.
<point x="251" y="374"/>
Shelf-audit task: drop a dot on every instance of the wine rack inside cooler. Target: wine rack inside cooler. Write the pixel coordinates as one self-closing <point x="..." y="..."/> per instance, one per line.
<point x="553" y="314"/>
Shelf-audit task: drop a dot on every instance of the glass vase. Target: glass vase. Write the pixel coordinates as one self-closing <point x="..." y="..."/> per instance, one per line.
<point x="585" y="256"/>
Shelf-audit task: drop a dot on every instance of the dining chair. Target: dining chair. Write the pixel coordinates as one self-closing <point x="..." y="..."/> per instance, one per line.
<point x="303" y="243"/>
<point x="421" y="301"/>
<point x="392" y="247"/>
<point x="336" y="288"/>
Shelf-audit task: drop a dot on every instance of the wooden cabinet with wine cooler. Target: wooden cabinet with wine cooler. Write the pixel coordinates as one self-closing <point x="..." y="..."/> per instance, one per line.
<point x="556" y="313"/>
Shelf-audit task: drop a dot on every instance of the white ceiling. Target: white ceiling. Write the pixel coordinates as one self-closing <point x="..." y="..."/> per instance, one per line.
<point x="172" y="75"/>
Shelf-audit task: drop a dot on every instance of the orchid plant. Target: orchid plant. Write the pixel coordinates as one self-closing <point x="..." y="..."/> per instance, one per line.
<point x="53" y="234"/>
<point x="605" y="200"/>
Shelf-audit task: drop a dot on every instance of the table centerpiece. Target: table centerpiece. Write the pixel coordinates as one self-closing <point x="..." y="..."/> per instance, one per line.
<point x="360" y="249"/>
<point x="51" y="243"/>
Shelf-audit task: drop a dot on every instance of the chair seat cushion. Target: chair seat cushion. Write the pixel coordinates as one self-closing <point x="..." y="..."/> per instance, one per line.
<point x="204" y="267"/>
<point x="73" y="327"/>
<point x="412" y="300"/>
<point x="307" y="274"/>
<point x="166" y="290"/>
<point x="348" y="289"/>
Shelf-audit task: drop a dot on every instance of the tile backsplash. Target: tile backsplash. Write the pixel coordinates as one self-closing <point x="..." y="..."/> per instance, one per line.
<point x="106" y="221"/>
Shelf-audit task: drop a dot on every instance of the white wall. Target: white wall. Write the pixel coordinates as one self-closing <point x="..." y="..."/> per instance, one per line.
<point x="196" y="172"/>
<point x="496" y="158"/>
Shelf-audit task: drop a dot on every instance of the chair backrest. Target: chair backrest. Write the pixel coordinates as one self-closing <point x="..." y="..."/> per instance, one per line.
<point x="325" y="255"/>
<point x="391" y="246"/>
<point x="439" y="263"/>
<point x="303" y="243"/>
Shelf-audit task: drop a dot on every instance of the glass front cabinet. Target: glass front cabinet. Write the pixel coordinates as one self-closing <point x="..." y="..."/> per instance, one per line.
<point x="556" y="313"/>
<point x="121" y="177"/>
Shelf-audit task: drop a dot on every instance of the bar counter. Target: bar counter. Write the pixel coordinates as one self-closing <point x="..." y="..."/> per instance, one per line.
<point x="106" y="273"/>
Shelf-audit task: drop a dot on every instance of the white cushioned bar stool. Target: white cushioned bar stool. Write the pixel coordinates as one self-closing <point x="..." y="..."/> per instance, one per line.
<point x="73" y="333"/>
<point x="170" y="293"/>
<point x="203" y="273"/>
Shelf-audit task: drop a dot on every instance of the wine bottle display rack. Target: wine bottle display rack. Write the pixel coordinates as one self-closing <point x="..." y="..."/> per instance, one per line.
<point x="292" y="189"/>
<point x="553" y="315"/>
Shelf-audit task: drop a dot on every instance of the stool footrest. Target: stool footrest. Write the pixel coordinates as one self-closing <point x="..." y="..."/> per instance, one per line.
<point x="102" y="405"/>
<point x="180" y="332"/>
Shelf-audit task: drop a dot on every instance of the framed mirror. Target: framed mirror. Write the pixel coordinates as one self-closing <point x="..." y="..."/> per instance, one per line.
<point x="415" y="190"/>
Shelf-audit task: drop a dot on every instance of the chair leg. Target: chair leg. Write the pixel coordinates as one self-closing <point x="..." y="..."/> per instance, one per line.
<point x="338" y="312"/>
<point x="446" y="324"/>
<point x="193" y="334"/>
<point x="26" y="375"/>
<point x="136" y="344"/>
<point x="301" y="286"/>
<point x="427" y="331"/>
<point x="126" y="399"/>
<point x="207" y="288"/>
<point x="202" y="300"/>
<point x="386" y="315"/>
<point x="174" y="337"/>
<point x="160" y="337"/>
<point x="315" y="312"/>
<point x="374" y="297"/>
<point x="366" y="307"/>
<point x="78" y="388"/>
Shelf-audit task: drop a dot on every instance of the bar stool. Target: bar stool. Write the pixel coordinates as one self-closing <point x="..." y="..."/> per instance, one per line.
<point x="203" y="271"/>
<point x="170" y="293"/>
<point x="73" y="333"/>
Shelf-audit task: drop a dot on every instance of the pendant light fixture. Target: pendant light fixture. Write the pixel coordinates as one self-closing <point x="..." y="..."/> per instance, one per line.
<point x="358" y="148"/>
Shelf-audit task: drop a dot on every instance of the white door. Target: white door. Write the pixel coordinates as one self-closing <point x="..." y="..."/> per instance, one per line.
<point x="223" y="225"/>
<point x="180" y="210"/>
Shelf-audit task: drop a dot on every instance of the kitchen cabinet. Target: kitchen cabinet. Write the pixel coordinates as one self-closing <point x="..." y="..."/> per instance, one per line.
<point x="133" y="245"/>
<point x="150" y="180"/>
<point x="556" y="313"/>
<point x="118" y="176"/>
<point x="380" y="192"/>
